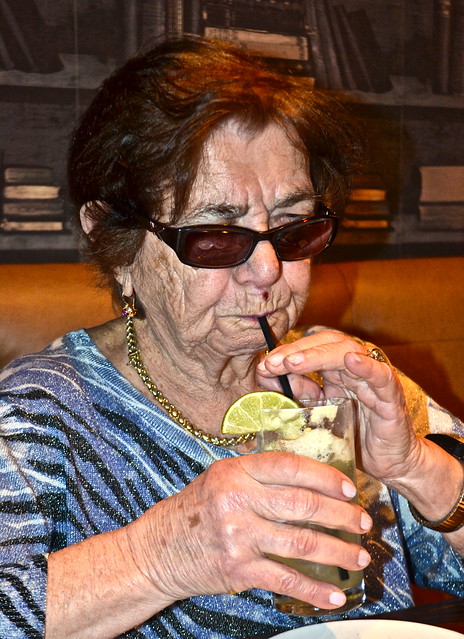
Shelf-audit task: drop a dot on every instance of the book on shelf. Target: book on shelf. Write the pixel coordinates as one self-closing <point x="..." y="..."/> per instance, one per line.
<point x="352" y="53"/>
<point x="448" y="34"/>
<point x="442" y="183"/>
<point x="342" y="54"/>
<point x="267" y="45"/>
<point x="318" y="59"/>
<point x="365" y="223"/>
<point x="25" y="225"/>
<point x="368" y="206"/>
<point x="332" y="78"/>
<point x="31" y="200"/>
<point x="19" y="174"/>
<point x="369" y="194"/>
<point x="30" y="191"/>
<point x="456" y="57"/>
<point x="266" y="15"/>
<point x="441" y="200"/>
<point x="33" y="208"/>
<point x="372" y="59"/>
<point x="440" y="217"/>
<point x="353" y="57"/>
<point x="368" y="187"/>
<point x="441" y="33"/>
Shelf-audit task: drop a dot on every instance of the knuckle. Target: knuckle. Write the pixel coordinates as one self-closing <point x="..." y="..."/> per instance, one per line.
<point x="312" y="504"/>
<point x="305" y="505"/>
<point x="290" y="581"/>
<point x="225" y="484"/>
<point x="305" y="541"/>
<point x="291" y="466"/>
<point x="297" y="585"/>
<point x="298" y="541"/>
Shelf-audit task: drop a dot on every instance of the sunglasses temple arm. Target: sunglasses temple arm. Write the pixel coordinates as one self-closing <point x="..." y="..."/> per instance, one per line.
<point x="147" y="223"/>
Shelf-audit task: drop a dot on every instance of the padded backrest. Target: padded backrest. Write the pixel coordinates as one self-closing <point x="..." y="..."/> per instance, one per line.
<point x="413" y="308"/>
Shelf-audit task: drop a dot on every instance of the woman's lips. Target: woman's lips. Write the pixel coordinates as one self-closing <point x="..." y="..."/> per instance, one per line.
<point x="254" y="318"/>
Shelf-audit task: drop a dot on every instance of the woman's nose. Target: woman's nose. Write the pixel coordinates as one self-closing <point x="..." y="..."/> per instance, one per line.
<point x="263" y="266"/>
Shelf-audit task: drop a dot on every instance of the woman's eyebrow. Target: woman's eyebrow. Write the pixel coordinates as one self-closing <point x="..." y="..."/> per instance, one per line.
<point x="220" y="209"/>
<point x="301" y="195"/>
<point x="226" y="210"/>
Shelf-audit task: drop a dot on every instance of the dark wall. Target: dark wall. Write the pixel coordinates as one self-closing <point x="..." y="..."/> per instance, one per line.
<point x="398" y="64"/>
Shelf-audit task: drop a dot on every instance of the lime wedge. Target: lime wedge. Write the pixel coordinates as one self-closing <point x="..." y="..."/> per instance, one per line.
<point x="246" y="414"/>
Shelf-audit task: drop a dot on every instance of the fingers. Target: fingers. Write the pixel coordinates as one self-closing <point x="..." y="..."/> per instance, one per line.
<point x="299" y="504"/>
<point x="375" y="373"/>
<point x="287" y="542"/>
<point x="287" y="469"/>
<point x="278" y="565"/>
<point x="285" y="580"/>
<point x="301" y="385"/>
<point x="339" y="359"/>
<point x="320" y="352"/>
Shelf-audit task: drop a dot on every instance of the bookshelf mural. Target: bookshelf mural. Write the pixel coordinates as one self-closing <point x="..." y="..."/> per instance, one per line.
<point x="397" y="64"/>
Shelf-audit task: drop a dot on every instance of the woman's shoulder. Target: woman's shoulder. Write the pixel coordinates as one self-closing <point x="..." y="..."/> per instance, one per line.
<point x="56" y="356"/>
<point x="54" y="375"/>
<point x="69" y="377"/>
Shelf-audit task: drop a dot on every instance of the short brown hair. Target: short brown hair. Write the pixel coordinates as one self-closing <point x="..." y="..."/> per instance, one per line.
<point x="142" y="136"/>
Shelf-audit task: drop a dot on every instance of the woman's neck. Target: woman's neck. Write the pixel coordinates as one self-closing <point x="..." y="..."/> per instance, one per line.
<point x="202" y="386"/>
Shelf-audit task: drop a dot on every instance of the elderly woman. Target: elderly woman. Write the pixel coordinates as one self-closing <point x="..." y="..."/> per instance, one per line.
<point x="202" y="181"/>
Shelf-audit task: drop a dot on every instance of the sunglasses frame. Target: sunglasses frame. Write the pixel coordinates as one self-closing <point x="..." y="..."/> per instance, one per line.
<point x="174" y="237"/>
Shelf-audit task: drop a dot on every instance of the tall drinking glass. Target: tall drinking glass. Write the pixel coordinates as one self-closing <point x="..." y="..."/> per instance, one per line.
<point x="323" y="430"/>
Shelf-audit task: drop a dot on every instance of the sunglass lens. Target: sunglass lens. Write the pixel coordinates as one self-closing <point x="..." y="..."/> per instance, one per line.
<point x="304" y="240"/>
<point x="216" y="248"/>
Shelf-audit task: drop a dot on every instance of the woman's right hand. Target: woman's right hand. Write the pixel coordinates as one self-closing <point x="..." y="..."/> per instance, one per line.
<point x="214" y="536"/>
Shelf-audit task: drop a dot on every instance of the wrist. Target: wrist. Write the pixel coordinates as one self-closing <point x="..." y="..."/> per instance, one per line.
<point x="454" y="519"/>
<point x="434" y="485"/>
<point x="451" y="522"/>
<point x="146" y="561"/>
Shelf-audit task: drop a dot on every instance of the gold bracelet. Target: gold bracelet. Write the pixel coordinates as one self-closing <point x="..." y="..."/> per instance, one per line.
<point x="454" y="520"/>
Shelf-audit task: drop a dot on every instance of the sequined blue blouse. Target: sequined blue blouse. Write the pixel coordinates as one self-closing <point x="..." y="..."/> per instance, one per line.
<point x="83" y="452"/>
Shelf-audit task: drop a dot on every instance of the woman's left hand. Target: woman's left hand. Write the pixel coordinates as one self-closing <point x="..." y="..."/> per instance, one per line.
<point x="388" y="447"/>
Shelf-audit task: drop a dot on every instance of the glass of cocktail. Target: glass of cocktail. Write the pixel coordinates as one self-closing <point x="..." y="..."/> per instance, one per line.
<point x="323" y="430"/>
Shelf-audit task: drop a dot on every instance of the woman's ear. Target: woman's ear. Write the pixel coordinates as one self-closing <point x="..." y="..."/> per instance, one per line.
<point x="87" y="222"/>
<point x="124" y="278"/>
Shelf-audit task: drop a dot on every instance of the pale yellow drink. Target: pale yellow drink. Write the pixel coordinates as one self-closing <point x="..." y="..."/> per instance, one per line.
<point x="322" y="430"/>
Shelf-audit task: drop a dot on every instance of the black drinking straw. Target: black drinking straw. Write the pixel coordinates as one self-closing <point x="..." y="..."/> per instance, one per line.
<point x="270" y="341"/>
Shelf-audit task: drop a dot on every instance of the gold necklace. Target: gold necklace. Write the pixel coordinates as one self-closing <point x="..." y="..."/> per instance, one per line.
<point x="135" y="360"/>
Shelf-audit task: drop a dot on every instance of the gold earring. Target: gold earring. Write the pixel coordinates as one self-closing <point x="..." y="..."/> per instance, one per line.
<point x="129" y="309"/>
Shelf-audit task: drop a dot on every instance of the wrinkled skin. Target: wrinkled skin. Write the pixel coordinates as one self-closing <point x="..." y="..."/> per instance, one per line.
<point x="225" y="522"/>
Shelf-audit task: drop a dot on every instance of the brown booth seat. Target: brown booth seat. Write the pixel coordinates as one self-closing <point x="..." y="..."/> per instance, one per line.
<point x="412" y="308"/>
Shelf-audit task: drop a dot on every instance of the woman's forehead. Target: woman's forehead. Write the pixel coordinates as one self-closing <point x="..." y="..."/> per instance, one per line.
<point x="237" y="169"/>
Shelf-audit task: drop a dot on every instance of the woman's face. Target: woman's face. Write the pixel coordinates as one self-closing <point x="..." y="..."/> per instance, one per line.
<point x="256" y="182"/>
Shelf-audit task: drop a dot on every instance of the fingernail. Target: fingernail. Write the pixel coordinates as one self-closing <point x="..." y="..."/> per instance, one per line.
<point x="275" y="360"/>
<point x="295" y="358"/>
<point x="366" y="521"/>
<point x="348" y="489"/>
<point x="261" y="366"/>
<point x="337" y="598"/>
<point x="363" y="558"/>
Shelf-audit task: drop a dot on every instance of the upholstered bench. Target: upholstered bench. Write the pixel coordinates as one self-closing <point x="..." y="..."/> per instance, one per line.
<point x="412" y="308"/>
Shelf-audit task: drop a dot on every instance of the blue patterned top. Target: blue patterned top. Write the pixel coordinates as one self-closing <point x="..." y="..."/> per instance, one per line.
<point x="83" y="452"/>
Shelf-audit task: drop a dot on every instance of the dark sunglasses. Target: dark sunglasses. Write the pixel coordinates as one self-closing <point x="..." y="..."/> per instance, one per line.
<point x="221" y="246"/>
